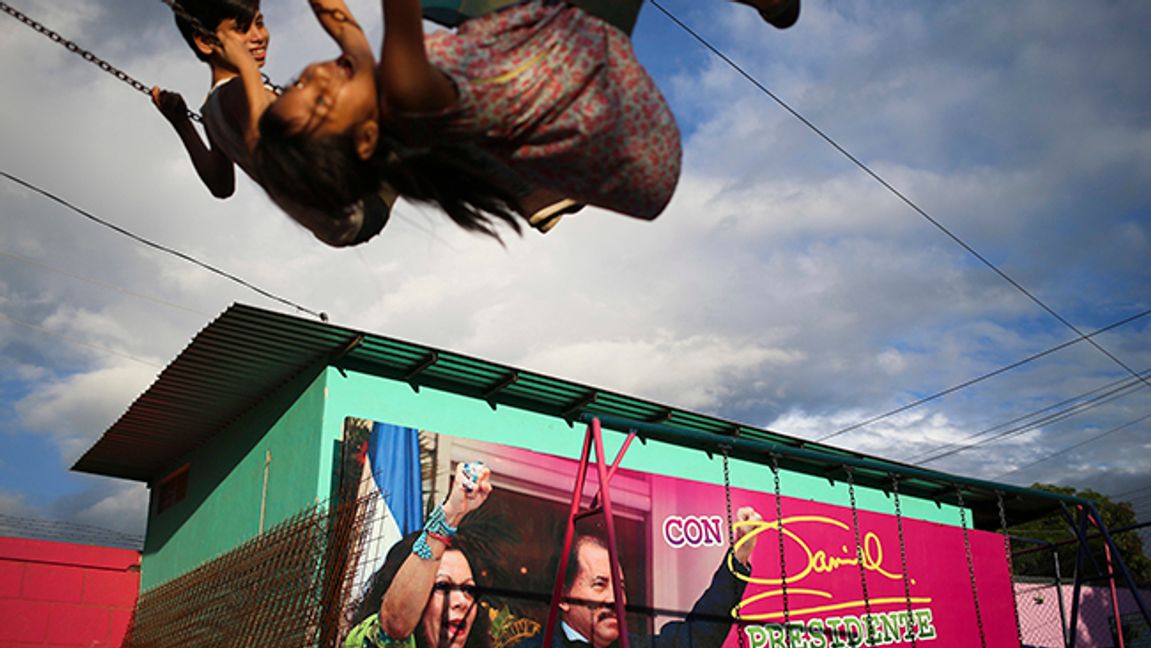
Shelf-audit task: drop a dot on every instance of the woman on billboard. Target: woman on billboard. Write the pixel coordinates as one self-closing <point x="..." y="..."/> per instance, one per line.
<point x="425" y="594"/>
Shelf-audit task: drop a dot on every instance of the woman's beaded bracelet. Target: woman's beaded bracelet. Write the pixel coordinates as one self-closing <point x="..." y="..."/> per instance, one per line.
<point x="437" y="527"/>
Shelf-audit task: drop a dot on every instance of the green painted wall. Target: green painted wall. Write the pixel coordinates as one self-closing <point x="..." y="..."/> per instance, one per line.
<point x="226" y="482"/>
<point x="301" y="424"/>
<point x="395" y="402"/>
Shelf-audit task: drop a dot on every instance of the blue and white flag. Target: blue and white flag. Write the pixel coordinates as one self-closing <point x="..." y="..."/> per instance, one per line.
<point x="394" y="461"/>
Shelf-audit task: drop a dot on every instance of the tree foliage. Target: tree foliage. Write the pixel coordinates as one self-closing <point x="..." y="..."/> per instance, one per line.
<point x="1055" y="529"/>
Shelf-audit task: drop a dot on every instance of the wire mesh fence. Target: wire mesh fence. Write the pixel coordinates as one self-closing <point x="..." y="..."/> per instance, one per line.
<point x="1053" y="612"/>
<point x="286" y="587"/>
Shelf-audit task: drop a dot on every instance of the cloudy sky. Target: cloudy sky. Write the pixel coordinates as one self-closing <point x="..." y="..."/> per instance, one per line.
<point x="784" y="287"/>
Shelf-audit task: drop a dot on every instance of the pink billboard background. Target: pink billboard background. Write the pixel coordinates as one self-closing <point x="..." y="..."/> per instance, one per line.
<point x="687" y="540"/>
<point x="825" y="601"/>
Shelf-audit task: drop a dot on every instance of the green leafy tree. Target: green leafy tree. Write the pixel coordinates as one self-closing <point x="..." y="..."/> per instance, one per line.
<point x="1054" y="529"/>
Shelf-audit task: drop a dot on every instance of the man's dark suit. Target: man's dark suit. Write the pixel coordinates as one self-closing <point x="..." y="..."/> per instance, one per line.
<point x="706" y="625"/>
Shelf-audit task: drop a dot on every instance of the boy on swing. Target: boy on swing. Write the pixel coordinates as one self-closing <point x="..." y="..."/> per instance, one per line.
<point x="231" y="37"/>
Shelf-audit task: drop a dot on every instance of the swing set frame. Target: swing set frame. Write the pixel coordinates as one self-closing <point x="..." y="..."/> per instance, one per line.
<point x="989" y="503"/>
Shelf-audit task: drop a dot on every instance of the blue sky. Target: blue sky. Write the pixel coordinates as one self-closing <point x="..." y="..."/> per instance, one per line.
<point x="784" y="287"/>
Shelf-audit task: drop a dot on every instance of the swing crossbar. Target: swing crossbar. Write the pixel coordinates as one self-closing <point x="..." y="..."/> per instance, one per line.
<point x="816" y="460"/>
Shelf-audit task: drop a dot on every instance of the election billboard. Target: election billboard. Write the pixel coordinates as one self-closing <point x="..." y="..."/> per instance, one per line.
<point x="813" y="574"/>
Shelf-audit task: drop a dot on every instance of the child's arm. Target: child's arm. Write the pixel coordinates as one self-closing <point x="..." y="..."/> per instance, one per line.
<point x="408" y="81"/>
<point x="256" y="98"/>
<point x="341" y="25"/>
<point x="214" y="168"/>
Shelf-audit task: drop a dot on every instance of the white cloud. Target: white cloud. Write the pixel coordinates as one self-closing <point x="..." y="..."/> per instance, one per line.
<point x="783" y="286"/>
<point x="76" y="409"/>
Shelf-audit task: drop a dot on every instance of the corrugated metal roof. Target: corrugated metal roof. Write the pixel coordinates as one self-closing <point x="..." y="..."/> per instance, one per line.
<point x="247" y="353"/>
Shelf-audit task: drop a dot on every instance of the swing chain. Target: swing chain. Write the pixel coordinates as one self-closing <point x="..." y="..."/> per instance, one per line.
<point x="730" y="528"/>
<point x="970" y="566"/>
<point x="1010" y="558"/>
<point x="912" y="629"/>
<point x="782" y="557"/>
<point x="83" y="53"/>
<point x="858" y="545"/>
<point x="727" y="495"/>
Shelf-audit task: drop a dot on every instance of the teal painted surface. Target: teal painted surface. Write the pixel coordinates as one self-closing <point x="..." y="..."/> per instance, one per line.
<point x="390" y="401"/>
<point x="226" y="482"/>
<point x="301" y="426"/>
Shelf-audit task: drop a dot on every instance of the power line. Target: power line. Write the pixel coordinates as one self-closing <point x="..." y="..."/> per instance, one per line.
<point x="103" y="284"/>
<point x="891" y="188"/>
<point x="1079" y="403"/>
<point x="97" y="347"/>
<point x="1132" y="491"/>
<point x="1078" y="408"/>
<point x="991" y="374"/>
<point x="186" y="257"/>
<point x="1076" y="446"/>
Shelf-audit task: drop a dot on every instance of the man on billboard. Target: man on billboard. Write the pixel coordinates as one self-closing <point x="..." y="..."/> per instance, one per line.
<point x="587" y="612"/>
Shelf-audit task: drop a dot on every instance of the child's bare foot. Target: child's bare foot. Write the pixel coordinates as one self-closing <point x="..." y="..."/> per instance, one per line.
<point x="544" y="208"/>
<point x="779" y="13"/>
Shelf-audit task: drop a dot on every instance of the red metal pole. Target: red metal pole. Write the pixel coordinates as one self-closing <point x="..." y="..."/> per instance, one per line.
<point x="558" y="587"/>
<point x="613" y="553"/>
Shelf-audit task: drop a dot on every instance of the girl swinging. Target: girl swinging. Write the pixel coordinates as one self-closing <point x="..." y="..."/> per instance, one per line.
<point x="540" y="94"/>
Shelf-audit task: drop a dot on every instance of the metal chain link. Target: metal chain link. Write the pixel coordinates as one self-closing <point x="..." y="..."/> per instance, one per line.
<point x="100" y="62"/>
<point x="970" y="567"/>
<point x="731" y="531"/>
<point x="83" y="53"/>
<point x="727" y="496"/>
<point x="782" y="557"/>
<point x="1010" y="561"/>
<point x="912" y="630"/>
<point x="859" y="549"/>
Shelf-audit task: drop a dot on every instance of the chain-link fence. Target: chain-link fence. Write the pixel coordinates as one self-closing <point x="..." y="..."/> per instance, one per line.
<point x="1045" y="599"/>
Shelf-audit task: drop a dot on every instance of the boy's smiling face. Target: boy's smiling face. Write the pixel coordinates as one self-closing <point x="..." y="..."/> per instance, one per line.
<point x="255" y="38"/>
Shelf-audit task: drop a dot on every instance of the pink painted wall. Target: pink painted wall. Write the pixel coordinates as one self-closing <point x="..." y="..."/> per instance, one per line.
<point x="1039" y="615"/>
<point x="60" y="594"/>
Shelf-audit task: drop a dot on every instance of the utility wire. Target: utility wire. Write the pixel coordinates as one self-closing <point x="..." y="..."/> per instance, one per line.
<point x="968" y="383"/>
<point x="103" y="284"/>
<point x="71" y="340"/>
<point x="1047" y="420"/>
<point x="139" y="86"/>
<point x="186" y="257"/>
<point x="898" y="194"/>
<point x="1073" y="447"/>
<point x="1132" y="491"/>
<point x="1079" y="403"/>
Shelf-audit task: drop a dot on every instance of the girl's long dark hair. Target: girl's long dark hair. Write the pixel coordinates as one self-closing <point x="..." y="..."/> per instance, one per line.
<point x="479" y="635"/>
<point x="325" y="173"/>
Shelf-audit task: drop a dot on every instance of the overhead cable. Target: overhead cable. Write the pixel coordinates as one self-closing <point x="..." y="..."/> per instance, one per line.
<point x="991" y="374"/>
<point x="1074" y="447"/>
<point x="72" y="340"/>
<point x="1056" y="417"/>
<point x="1078" y="404"/>
<point x="322" y="316"/>
<point x="104" y="284"/>
<point x="891" y="188"/>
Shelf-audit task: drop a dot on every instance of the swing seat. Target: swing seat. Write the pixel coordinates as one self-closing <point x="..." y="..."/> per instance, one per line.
<point x="452" y="13"/>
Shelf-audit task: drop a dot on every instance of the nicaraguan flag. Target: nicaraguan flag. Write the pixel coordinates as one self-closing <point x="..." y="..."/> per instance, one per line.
<point x="394" y="461"/>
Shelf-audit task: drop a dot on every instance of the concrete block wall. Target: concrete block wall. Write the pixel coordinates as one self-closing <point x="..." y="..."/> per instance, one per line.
<point x="58" y="594"/>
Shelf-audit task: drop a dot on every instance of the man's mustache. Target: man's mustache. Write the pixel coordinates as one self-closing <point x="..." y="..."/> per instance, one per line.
<point x="608" y="606"/>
